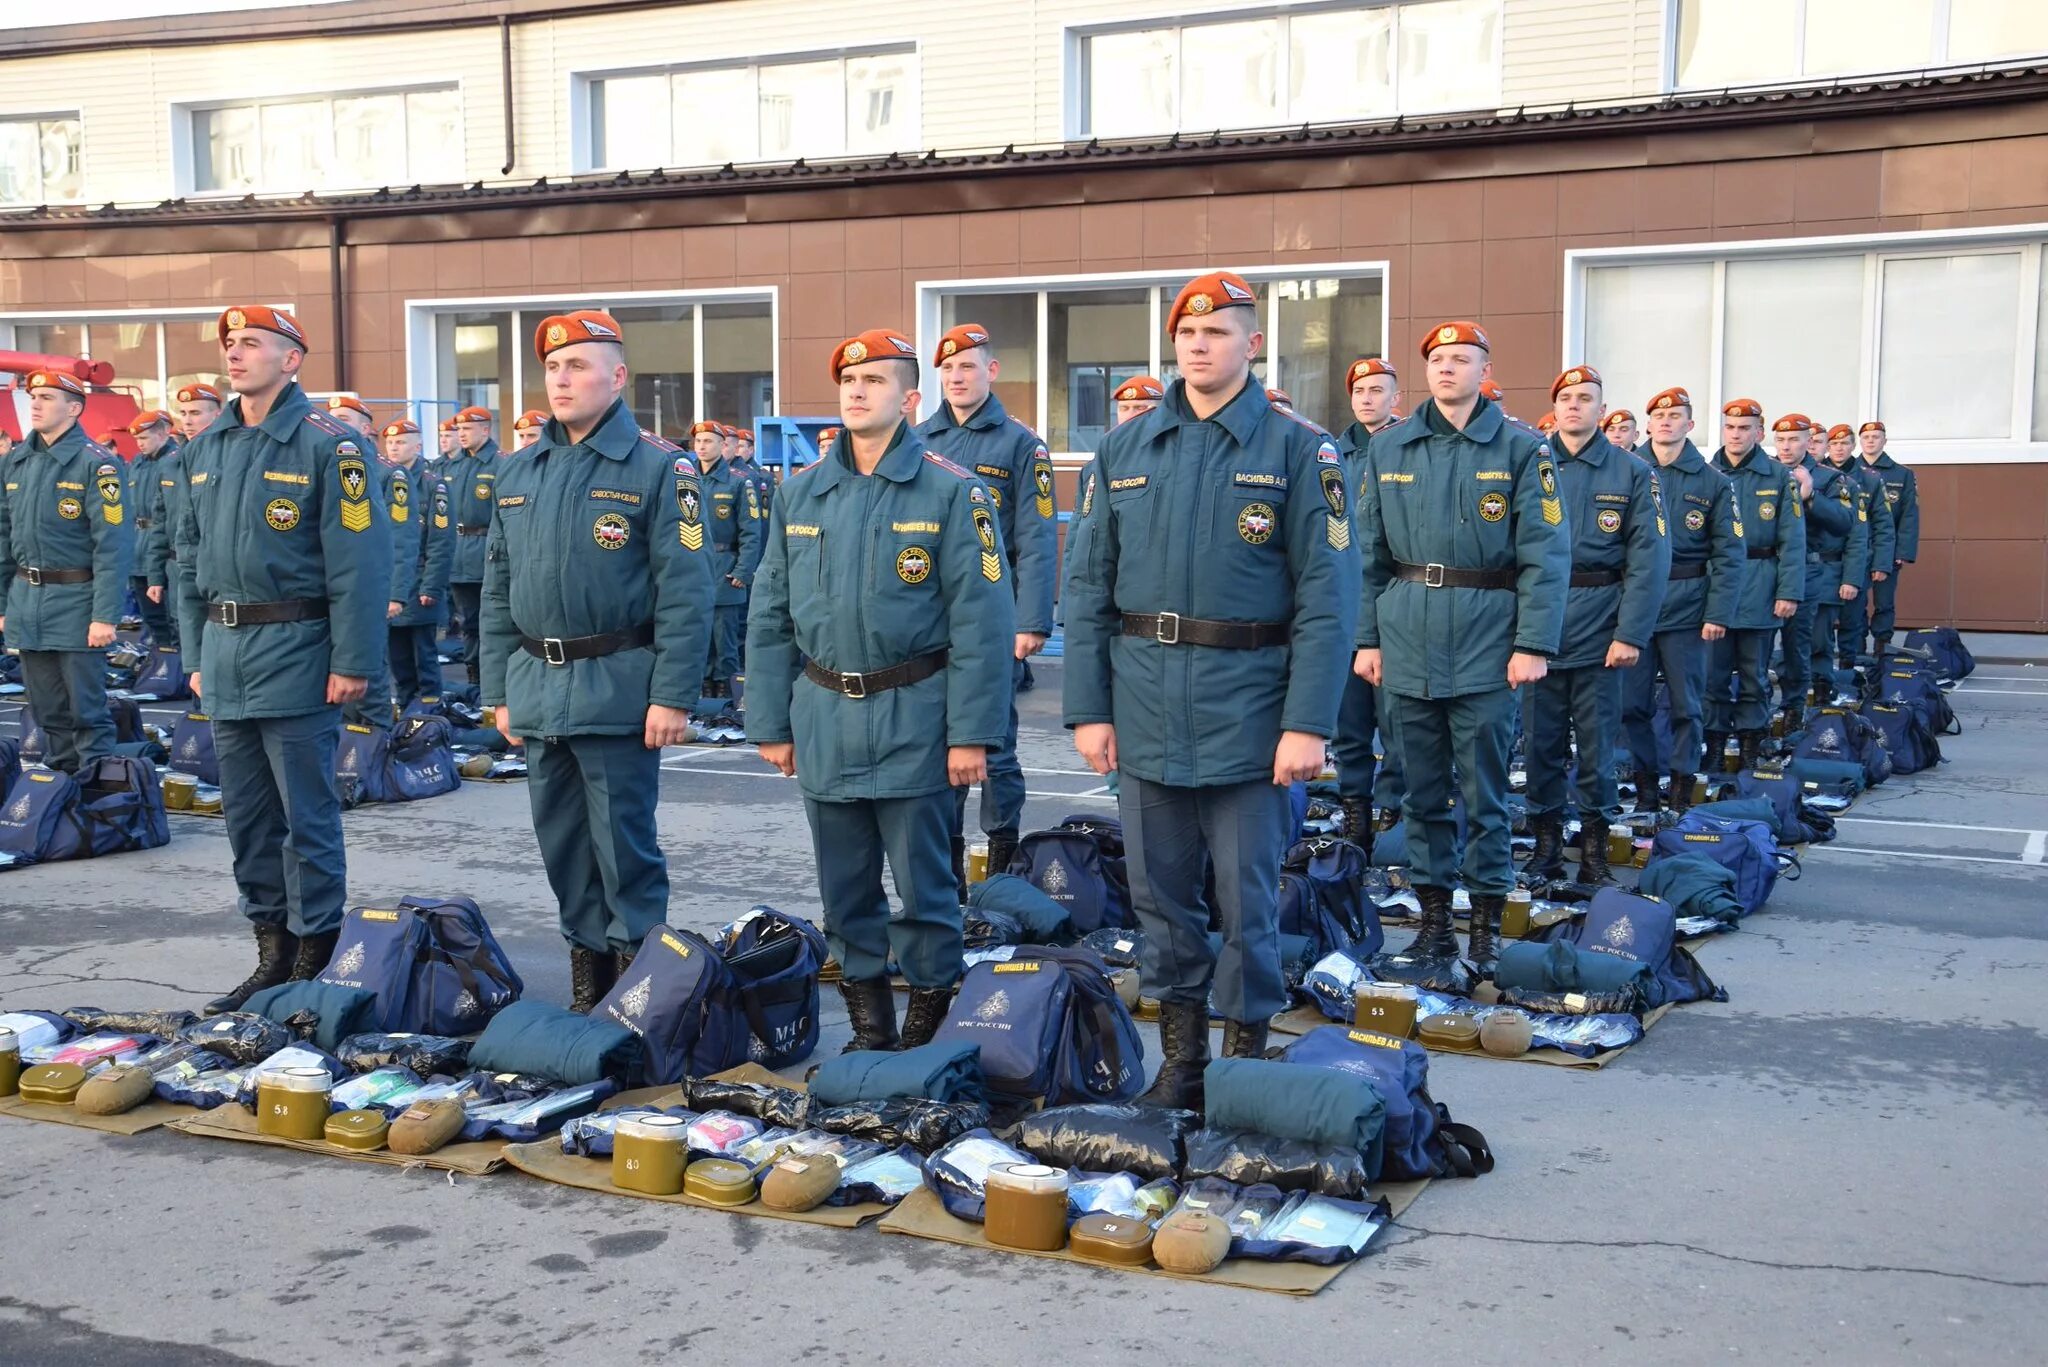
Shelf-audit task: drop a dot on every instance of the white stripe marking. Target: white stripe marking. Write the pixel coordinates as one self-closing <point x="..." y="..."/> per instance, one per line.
<point x="1938" y="825"/>
<point x="2037" y="848"/>
<point x="1925" y="854"/>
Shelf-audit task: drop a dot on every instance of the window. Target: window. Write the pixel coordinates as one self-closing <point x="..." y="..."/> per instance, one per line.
<point x="395" y="137"/>
<point x="1933" y="333"/>
<point x="1757" y="42"/>
<point x="152" y="354"/>
<point x="861" y="103"/>
<point x="476" y="352"/>
<point x="1099" y="331"/>
<point x="39" y="160"/>
<point x="1263" y="71"/>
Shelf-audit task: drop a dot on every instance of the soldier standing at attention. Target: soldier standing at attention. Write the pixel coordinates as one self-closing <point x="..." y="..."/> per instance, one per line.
<point x="1903" y="495"/>
<point x="65" y="543"/>
<point x="1700" y="600"/>
<point x="424" y="548"/>
<point x="1620" y="429"/>
<point x="1467" y="553"/>
<point x="596" y="610"/>
<point x="733" y="511"/>
<point x="1375" y="388"/>
<point x="1621" y="559"/>
<point x="1210" y="598"/>
<point x="1770" y="516"/>
<point x="198" y="407"/>
<point x="881" y="638"/>
<point x="446" y="443"/>
<point x="1842" y="621"/>
<point x="526" y="428"/>
<point x="974" y="430"/>
<point x="1837" y="546"/>
<point x="283" y="562"/>
<point x="471" y="473"/>
<point x="393" y="488"/>
<point x="154" y="445"/>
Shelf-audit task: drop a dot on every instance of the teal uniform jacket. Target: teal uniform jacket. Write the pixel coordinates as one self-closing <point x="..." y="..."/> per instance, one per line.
<point x="423" y="541"/>
<point x="764" y="499"/>
<point x="589" y="538"/>
<point x="282" y="510"/>
<point x="1482" y="499"/>
<point x="1903" y="493"/>
<point x="1771" y="518"/>
<point x="1010" y="459"/>
<point x="732" y="504"/>
<point x="471" y="477"/>
<point x="1877" y="512"/>
<point x="1700" y="513"/>
<point x="1837" y="535"/>
<point x="153" y="500"/>
<point x="1613" y="506"/>
<point x="1243" y="517"/>
<point x="863" y="573"/>
<point x="63" y="506"/>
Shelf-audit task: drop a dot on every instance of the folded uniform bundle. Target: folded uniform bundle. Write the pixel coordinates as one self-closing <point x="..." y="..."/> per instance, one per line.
<point x="1528" y="966"/>
<point x="317" y="1011"/>
<point x="1694" y="885"/>
<point x="1320" y="1106"/>
<point x="550" y="1042"/>
<point x="939" y="1071"/>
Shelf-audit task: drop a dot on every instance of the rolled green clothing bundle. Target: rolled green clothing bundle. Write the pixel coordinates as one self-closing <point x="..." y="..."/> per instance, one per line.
<point x="1693" y="885"/>
<point x="1318" y="1106"/>
<point x="939" y="1071"/>
<point x="1560" y="966"/>
<point x="1612" y="973"/>
<point x="547" y="1041"/>
<point x="341" y="1011"/>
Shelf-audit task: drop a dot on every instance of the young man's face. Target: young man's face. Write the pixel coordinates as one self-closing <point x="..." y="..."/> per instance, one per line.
<point x="1739" y="436"/>
<point x="1373" y="399"/>
<point x="1668" y="426"/>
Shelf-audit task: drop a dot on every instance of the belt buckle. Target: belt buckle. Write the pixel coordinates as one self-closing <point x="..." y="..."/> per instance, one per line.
<point x="1432" y="576"/>
<point x="1167" y="633"/>
<point x="853" y="685"/>
<point x="553" y="651"/>
<point x="230" y="613"/>
<point x="33" y="575"/>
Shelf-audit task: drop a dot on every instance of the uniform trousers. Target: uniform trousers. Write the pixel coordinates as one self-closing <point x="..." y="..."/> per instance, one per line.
<point x="593" y="803"/>
<point x="850" y="840"/>
<point x="67" y="690"/>
<point x="1475" y="731"/>
<point x="283" y="816"/>
<point x="1680" y="655"/>
<point x="1582" y="704"/>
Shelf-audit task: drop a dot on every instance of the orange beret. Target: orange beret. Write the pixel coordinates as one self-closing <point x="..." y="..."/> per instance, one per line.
<point x="959" y="339"/>
<point x="1616" y="418"/>
<point x="403" y="427"/>
<point x="60" y="380"/>
<point x="1840" y="429"/>
<point x="146" y="419"/>
<point x="335" y="401"/>
<point x="1455" y="333"/>
<point x="745" y="434"/>
<point x="1370" y="365"/>
<point x="1675" y="397"/>
<point x="262" y="319"/>
<point x="1547" y="423"/>
<point x="728" y="430"/>
<point x="472" y="414"/>
<point x="198" y="393"/>
<point x="876" y="344"/>
<point x="1140" y="389"/>
<point x="1578" y="374"/>
<point x="447" y="425"/>
<point x="567" y="329"/>
<point x="1278" y="398"/>
<point x="1208" y="293"/>
<point x="1742" y="408"/>
<point x="532" y="417"/>
<point x="1489" y="390"/>
<point x="699" y="428"/>
<point x="1872" y="426"/>
<point x="111" y="439"/>
<point x="1792" y="422"/>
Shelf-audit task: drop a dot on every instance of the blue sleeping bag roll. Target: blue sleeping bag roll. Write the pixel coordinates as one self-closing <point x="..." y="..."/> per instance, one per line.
<point x="547" y="1041"/>
<point x="1042" y="920"/>
<point x="340" y="1011"/>
<point x="1320" y="1106"/>
<point x="939" y="1071"/>
<point x="1534" y="966"/>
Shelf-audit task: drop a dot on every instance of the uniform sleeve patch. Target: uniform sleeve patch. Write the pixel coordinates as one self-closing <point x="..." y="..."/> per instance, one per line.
<point x="1326" y="453"/>
<point x="991" y="560"/>
<point x="1333" y="492"/>
<point x="1041" y="483"/>
<point x="1338" y="532"/>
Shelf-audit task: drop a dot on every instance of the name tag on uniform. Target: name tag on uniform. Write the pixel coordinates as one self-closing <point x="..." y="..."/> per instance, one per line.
<point x="287" y="477"/>
<point x="1700" y="499"/>
<point x="1396" y="477"/>
<point x="512" y="501"/>
<point x="625" y="496"/>
<point x="992" y="471"/>
<point x="1117" y="486"/>
<point x="1622" y="499"/>
<point x="199" y="478"/>
<point x="1259" y="480"/>
<point x="1496" y="476"/>
<point x="799" y="529"/>
<point x="931" y="528"/>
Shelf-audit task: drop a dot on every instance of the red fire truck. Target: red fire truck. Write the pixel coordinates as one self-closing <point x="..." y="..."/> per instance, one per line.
<point x="109" y="407"/>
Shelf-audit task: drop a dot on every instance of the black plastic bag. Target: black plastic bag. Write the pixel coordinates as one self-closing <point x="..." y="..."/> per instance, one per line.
<point x="1625" y="1001"/>
<point x="424" y="1054"/>
<point x="1119" y="948"/>
<point x="92" y="1020"/>
<point x="783" y="1106"/>
<point x="898" y="1120"/>
<point x="1244" y="1158"/>
<point x="1148" y="1141"/>
<point x="987" y="927"/>
<point x="1448" y="976"/>
<point x="239" y="1035"/>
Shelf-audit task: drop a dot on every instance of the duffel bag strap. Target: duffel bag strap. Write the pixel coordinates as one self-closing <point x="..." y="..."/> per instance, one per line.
<point x="1464" y="1147"/>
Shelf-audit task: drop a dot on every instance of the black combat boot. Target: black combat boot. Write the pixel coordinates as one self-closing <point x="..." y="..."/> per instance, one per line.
<point x="1681" y="792"/>
<point x="1002" y="846"/>
<point x="1714" y="752"/>
<point x="1358" y="823"/>
<point x="1592" y="853"/>
<point x="1183" y="1054"/>
<point x="276" y="948"/>
<point x="871" y="1008"/>
<point x="1748" y="745"/>
<point x="925" y="1014"/>
<point x="960" y="868"/>
<point x="592" y="975"/>
<point x="1484" y="953"/>
<point x="1434" y="939"/>
<point x="1244" y="1039"/>
<point x="1795" y="718"/>
<point x="314" y="952"/>
<point x="1648" y="799"/>
<point x="622" y="959"/>
<point x="1548" y="860"/>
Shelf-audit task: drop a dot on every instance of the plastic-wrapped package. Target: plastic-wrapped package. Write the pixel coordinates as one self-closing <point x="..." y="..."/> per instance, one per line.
<point x="784" y="1106"/>
<point x="1333" y="982"/>
<point x="958" y="1173"/>
<point x="1246" y="1210"/>
<point x="423" y="1054"/>
<point x="1105" y="1137"/>
<point x="205" y="1089"/>
<point x="1314" y="1229"/>
<point x="885" y="1178"/>
<point x="1585" y="1036"/>
<point x="168" y="1054"/>
<point x="898" y="1120"/>
<point x="1111" y="1193"/>
<point x="160" y="1023"/>
<point x="1155" y="1199"/>
<point x="1446" y="975"/>
<point x="35" y="1030"/>
<point x="986" y="927"/>
<point x="240" y="1036"/>
<point x="1247" y="1158"/>
<point x="1119" y="947"/>
<point x="715" y="1134"/>
<point x="526" y="1120"/>
<point x="291" y="1056"/>
<point x="97" y="1050"/>
<point x="590" y="1136"/>
<point x="379" y="1089"/>
<point x="1627" y="1001"/>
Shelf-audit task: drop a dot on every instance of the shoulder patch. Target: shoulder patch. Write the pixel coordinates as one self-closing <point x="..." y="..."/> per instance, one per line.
<point x="947" y="465"/>
<point x="684" y="465"/>
<point x="333" y="427"/>
<point x="657" y="441"/>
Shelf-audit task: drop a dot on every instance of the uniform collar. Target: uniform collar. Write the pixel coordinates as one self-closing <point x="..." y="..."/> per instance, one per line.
<point x="899" y="463"/>
<point x="283" y="419"/>
<point x="1355" y="436"/>
<point x="1689" y="459"/>
<point x="1884" y="461"/>
<point x="1595" y="453"/>
<point x="1484" y="426"/>
<point x="614" y="437"/>
<point x="1240" y="416"/>
<point x="991" y="414"/>
<point x="72" y="436"/>
<point x="1754" y="460"/>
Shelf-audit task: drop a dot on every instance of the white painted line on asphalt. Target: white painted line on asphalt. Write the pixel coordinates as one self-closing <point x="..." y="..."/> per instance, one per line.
<point x="1923" y="854"/>
<point x="2006" y="692"/>
<point x="2037" y="848"/>
<point x="1939" y="825"/>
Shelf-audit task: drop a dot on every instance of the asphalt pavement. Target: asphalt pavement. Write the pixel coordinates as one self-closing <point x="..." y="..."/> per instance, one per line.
<point x="1840" y="1164"/>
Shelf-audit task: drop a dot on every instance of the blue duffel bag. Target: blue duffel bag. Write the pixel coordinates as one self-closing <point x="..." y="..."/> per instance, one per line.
<point x="681" y="999"/>
<point x="1746" y="847"/>
<point x="1050" y="1025"/>
<point x="432" y="964"/>
<point x="1418" y="1138"/>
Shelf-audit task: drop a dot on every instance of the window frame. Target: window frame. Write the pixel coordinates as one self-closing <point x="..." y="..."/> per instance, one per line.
<point x="184" y="157"/>
<point x="2029" y="240"/>
<point x="583" y="149"/>
<point x="931" y="295"/>
<point x="41" y="116"/>
<point x="1077" y="115"/>
<point x="1938" y="58"/>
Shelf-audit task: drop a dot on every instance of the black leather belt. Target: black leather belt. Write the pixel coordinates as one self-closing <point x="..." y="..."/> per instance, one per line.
<point x="1763" y="552"/>
<point x="1696" y="570"/>
<point x="472" y="528"/>
<point x="560" y="650"/>
<point x="1445" y="577"/>
<point x="37" y="576"/>
<point x="1172" y="629"/>
<point x="233" y="614"/>
<point x="880" y="680"/>
<point x="1595" y="579"/>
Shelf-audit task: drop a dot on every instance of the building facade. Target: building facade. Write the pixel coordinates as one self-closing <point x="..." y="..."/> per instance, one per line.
<point x="1861" y="236"/>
